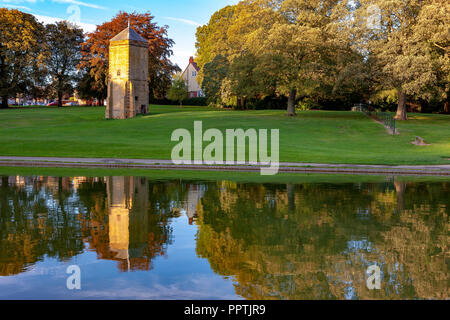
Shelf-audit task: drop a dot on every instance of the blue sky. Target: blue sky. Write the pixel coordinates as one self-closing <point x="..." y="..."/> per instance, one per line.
<point x="182" y="16"/>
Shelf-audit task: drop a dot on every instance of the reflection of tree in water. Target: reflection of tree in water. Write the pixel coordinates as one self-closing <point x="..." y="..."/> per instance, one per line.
<point x="292" y="242"/>
<point x="317" y="240"/>
<point x="36" y="219"/>
<point x="47" y="216"/>
<point x="130" y="221"/>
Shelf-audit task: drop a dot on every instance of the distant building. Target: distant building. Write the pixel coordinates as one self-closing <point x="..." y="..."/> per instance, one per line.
<point x="190" y="78"/>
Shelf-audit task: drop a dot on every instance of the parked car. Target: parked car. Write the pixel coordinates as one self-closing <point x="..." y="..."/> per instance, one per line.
<point x="52" y="104"/>
<point x="70" y="104"/>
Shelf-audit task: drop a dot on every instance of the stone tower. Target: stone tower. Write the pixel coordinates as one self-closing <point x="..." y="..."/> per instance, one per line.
<point x="128" y="93"/>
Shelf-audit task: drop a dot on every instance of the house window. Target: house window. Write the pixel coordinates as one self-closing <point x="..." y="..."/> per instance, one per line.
<point x="194" y="73"/>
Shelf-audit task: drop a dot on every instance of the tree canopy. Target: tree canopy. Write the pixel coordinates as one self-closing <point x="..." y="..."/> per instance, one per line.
<point x="21" y="53"/>
<point x="178" y="91"/>
<point x="63" y="43"/>
<point x="327" y="50"/>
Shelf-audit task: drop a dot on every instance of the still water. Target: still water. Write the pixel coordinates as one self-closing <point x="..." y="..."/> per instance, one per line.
<point x="136" y="238"/>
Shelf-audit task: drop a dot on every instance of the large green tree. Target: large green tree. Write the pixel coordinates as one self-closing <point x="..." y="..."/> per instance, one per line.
<point x="21" y="53"/>
<point x="86" y="87"/>
<point x="410" y="46"/>
<point x="212" y="38"/>
<point x="289" y="47"/>
<point x="64" y="53"/>
<point x="214" y="73"/>
<point x="223" y="54"/>
<point x="304" y="44"/>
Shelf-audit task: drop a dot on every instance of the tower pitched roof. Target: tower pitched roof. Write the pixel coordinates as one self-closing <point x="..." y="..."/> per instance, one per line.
<point x="128" y="34"/>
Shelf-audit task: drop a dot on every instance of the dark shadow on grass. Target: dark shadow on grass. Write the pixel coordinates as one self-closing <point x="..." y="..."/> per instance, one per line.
<point x="316" y="114"/>
<point x="50" y="108"/>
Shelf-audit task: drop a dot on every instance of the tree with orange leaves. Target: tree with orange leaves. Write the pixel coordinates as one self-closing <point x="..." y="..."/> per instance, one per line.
<point x="95" y="53"/>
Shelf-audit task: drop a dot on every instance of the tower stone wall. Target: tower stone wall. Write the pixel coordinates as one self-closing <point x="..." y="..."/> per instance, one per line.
<point x="128" y="92"/>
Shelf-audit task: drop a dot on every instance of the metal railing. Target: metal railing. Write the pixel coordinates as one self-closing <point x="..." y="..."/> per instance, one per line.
<point x="387" y="118"/>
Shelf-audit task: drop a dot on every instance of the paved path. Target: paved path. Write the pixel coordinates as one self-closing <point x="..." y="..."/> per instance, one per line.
<point x="441" y="170"/>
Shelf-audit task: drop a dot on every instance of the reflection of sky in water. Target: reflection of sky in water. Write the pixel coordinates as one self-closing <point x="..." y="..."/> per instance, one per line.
<point x="350" y="293"/>
<point x="179" y="275"/>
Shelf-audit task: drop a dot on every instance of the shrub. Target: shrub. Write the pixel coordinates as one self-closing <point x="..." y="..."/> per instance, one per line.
<point x="200" y="101"/>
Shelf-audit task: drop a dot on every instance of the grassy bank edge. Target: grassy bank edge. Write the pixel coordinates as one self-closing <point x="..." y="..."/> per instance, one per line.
<point x="240" y="177"/>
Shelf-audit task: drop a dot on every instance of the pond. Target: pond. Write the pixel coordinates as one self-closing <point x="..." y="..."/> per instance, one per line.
<point x="139" y="238"/>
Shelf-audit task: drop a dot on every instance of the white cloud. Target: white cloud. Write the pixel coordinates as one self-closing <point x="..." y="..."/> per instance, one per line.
<point x="14" y="6"/>
<point x="186" y="21"/>
<point x="87" y="27"/>
<point x="80" y="3"/>
<point x="16" y="3"/>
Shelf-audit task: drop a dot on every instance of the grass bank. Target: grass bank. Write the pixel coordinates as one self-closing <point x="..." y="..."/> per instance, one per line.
<point x="312" y="136"/>
<point x="199" y="176"/>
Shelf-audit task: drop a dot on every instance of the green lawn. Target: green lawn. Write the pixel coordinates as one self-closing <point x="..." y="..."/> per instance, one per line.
<point x="312" y="136"/>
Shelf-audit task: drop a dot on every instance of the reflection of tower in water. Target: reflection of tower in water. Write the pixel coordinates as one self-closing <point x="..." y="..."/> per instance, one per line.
<point x="195" y="194"/>
<point x="127" y="205"/>
<point x="119" y="204"/>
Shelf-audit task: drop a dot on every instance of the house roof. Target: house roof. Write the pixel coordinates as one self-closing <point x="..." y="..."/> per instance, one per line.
<point x="194" y="64"/>
<point x="128" y="34"/>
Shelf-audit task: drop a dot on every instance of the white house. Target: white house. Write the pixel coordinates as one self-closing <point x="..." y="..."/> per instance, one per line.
<point x="190" y="78"/>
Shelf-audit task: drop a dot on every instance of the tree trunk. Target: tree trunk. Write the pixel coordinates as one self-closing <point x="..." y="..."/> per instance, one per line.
<point x="4" y="104"/>
<point x="400" y="187"/>
<point x="401" y="110"/>
<point x="239" y="103"/>
<point x="60" y="99"/>
<point x="447" y="107"/>
<point x="291" y="197"/>
<point x="4" y="182"/>
<point x="291" y="103"/>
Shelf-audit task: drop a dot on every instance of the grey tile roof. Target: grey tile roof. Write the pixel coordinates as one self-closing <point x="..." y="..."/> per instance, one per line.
<point x="128" y="34"/>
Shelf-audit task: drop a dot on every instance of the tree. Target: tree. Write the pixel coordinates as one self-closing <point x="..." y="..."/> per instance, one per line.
<point x="303" y="45"/>
<point x="214" y="73"/>
<point x="212" y="38"/>
<point x="327" y="50"/>
<point x="86" y="88"/>
<point x="243" y="78"/>
<point x="64" y="54"/>
<point x="394" y="31"/>
<point x="293" y="46"/>
<point x="96" y="51"/>
<point x="432" y="31"/>
<point x="178" y="91"/>
<point x="21" y="53"/>
<point x="222" y="44"/>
